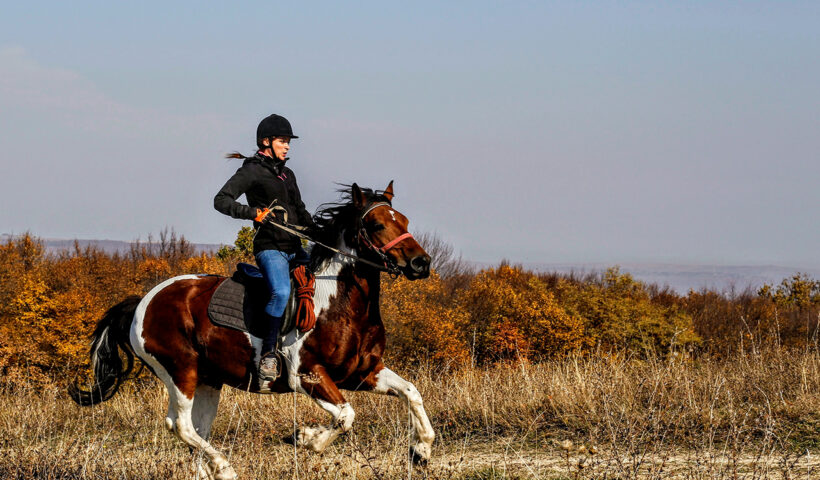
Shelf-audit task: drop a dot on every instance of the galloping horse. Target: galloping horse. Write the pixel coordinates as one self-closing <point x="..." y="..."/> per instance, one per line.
<point x="169" y="330"/>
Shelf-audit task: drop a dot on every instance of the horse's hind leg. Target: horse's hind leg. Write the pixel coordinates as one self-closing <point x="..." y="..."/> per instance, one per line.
<point x="171" y="416"/>
<point x="183" y="404"/>
<point x="202" y="472"/>
<point x="386" y="381"/>
<point x="206" y="402"/>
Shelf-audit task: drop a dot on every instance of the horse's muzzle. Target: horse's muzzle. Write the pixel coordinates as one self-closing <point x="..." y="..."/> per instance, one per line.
<point x="419" y="267"/>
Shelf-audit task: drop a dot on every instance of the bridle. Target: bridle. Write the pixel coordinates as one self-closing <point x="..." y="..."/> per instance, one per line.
<point x="388" y="264"/>
<point x="364" y="238"/>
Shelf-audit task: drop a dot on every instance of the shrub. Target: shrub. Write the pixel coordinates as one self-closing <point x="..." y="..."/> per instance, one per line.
<point x="618" y="312"/>
<point x="423" y="322"/>
<point x="513" y="315"/>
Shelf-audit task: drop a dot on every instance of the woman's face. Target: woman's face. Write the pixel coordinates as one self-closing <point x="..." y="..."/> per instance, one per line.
<point x="279" y="147"/>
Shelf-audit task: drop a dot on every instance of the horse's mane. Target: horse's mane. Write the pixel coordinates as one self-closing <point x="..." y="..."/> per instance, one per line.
<point x="333" y="218"/>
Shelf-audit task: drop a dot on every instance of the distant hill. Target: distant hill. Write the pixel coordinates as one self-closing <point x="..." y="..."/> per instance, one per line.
<point x="682" y="278"/>
<point x="54" y="245"/>
<point x="679" y="277"/>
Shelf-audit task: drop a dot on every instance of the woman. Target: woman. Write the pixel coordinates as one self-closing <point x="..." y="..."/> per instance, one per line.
<point x="267" y="182"/>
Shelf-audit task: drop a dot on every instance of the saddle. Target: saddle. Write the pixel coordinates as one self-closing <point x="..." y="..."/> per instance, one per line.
<point x="239" y="302"/>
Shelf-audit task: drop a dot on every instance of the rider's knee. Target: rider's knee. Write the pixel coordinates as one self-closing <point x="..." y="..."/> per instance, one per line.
<point x="280" y="292"/>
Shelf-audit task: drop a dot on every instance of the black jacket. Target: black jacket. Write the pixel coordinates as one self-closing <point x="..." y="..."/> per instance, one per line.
<point x="264" y="180"/>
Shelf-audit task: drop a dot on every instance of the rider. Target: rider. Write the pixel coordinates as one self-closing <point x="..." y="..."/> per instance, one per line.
<point x="268" y="185"/>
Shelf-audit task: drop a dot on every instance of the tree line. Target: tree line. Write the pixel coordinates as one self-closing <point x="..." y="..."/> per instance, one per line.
<point x="460" y="316"/>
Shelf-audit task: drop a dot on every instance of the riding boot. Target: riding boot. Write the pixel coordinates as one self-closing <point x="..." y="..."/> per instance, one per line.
<point x="269" y="363"/>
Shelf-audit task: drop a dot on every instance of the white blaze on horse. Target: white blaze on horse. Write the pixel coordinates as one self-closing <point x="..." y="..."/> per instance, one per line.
<point x="170" y="331"/>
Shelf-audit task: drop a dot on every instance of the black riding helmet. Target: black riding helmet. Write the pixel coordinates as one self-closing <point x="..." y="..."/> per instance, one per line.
<point x="273" y="126"/>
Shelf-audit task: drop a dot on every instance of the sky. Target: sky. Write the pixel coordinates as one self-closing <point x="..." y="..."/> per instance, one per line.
<point x="682" y="132"/>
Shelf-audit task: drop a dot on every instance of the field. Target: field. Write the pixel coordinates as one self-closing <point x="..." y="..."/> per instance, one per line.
<point x="750" y="416"/>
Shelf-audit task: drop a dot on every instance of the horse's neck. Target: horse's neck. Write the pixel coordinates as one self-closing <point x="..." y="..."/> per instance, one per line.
<point x="352" y="280"/>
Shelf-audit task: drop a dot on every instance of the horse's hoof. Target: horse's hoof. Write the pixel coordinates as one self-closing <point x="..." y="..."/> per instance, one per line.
<point x="225" y="473"/>
<point x="312" y="438"/>
<point x="416" y="458"/>
<point x="302" y="437"/>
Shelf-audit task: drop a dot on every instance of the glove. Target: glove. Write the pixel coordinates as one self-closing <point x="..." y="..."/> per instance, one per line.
<point x="261" y="213"/>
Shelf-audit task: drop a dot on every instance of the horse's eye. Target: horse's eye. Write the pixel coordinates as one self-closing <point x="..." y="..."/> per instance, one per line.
<point x="375" y="227"/>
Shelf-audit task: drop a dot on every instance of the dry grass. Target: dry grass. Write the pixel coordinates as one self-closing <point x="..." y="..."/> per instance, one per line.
<point x="753" y="416"/>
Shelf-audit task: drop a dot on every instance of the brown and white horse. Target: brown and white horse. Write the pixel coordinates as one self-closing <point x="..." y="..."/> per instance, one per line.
<point x="169" y="330"/>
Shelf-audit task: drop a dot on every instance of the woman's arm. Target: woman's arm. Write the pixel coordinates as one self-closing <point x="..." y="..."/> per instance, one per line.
<point x="305" y="218"/>
<point x="225" y="200"/>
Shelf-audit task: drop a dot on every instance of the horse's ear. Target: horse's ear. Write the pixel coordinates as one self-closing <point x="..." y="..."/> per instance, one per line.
<point x="388" y="192"/>
<point x="358" y="197"/>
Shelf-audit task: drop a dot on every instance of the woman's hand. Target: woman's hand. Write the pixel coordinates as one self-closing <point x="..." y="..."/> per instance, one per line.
<point x="261" y="213"/>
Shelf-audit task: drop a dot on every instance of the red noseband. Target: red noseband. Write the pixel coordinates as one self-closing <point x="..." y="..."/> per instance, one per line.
<point x="393" y="243"/>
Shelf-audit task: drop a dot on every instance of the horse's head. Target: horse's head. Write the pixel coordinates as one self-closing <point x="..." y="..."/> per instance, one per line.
<point x="382" y="231"/>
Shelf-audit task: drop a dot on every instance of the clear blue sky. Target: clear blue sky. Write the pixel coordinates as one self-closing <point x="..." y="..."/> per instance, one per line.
<point x="533" y="131"/>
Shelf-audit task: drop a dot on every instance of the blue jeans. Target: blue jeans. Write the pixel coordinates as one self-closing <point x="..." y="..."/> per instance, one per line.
<point x="275" y="266"/>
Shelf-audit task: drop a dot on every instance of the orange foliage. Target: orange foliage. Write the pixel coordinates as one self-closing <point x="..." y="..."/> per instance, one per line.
<point x="422" y="322"/>
<point x="620" y="313"/>
<point x="49" y="304"/>
<point x="154" y="269"/>
<point x="503" y="314"/>
<point x="204" y="263"/>
<point x="513" y="316"/>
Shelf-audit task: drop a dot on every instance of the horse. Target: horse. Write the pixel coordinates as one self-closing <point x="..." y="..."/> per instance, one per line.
<point x="169" y="331"/>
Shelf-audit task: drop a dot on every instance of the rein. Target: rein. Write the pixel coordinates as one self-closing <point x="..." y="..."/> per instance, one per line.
<point x="388" y="264"/>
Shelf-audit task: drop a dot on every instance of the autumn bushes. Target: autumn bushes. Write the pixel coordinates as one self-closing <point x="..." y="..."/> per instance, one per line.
<point x="508" y="313"/>
<point x="49" y="304"/>
<point x="502" y="314"/>
<point x="786" y="315"/>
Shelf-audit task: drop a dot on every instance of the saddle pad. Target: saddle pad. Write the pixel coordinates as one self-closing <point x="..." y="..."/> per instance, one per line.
<point x="235" y="305"/>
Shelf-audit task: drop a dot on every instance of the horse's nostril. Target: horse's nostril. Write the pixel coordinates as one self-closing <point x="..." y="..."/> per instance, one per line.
<point x="420" y="263"/>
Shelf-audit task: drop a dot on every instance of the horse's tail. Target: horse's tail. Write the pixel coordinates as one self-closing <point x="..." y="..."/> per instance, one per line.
<point x="110" y="336"/>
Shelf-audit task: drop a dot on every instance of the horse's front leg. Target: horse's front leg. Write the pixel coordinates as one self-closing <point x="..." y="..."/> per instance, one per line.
<point x="317" y="384"/>
<point x="387" y="382"/>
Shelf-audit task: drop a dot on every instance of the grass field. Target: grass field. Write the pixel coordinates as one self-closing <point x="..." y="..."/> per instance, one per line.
<point x="751" y="416"/>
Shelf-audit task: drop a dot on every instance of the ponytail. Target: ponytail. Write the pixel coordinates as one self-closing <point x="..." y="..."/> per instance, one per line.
<point x="236" y="155"/>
